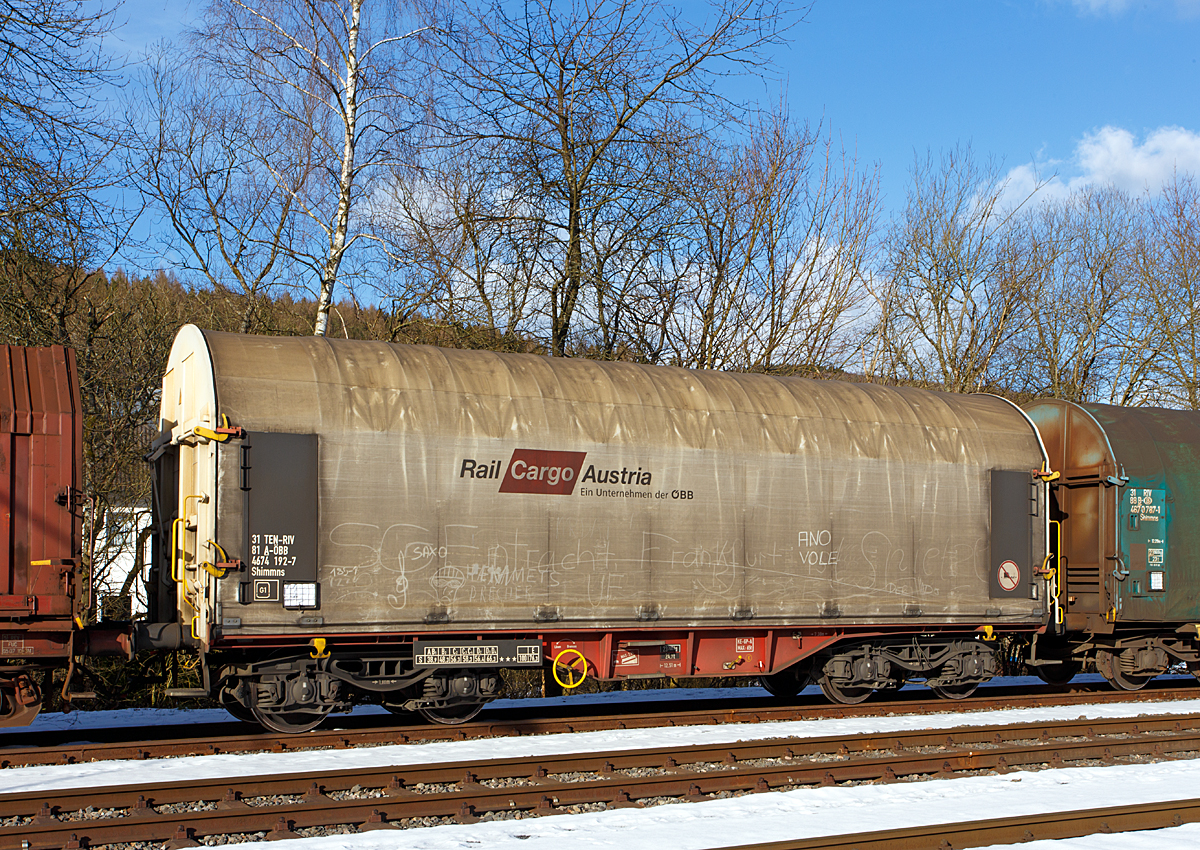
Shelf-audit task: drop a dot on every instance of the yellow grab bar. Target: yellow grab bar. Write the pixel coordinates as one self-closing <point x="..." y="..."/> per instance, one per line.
<point x="176" y="560"/>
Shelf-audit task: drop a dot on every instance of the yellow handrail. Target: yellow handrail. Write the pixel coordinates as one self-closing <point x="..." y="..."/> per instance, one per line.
<point x="175" y="543"/>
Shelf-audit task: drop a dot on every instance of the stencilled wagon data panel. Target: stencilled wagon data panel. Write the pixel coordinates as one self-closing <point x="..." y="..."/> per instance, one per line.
<point x="1146" y="513"/>
<point x="279" y="480"/>
<point x="496" y="653"/>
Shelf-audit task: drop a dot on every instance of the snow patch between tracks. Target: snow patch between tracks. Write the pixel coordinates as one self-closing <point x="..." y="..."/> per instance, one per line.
<point x="108" y="773"/>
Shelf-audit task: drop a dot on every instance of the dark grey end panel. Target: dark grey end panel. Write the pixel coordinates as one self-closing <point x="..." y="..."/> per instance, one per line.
<point x="279" y="478"/>
<point x="1014" y="509"/>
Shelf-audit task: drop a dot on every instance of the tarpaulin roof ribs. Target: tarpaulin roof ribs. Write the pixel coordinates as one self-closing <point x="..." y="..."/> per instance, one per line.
<point x="892" y="483"/>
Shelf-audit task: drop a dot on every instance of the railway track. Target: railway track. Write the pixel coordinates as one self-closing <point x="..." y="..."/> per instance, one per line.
<point x="209" y="739"/>
<point x="1014" y="830"/>
<point x="282" y="806"/>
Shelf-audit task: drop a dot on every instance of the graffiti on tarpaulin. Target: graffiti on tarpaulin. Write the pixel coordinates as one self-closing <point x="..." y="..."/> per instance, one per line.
<point x="459" y="564"/>
<point x="957" y="568"/>
<point x="516" y="571"/>
<point x="961" y="561"/>
<point x="715" y="566"/>
<point x="356" y="554"/>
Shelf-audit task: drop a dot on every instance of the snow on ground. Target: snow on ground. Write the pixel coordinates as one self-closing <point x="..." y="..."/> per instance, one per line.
<point x="49" y="777"/>
<point x="694" y="826"/>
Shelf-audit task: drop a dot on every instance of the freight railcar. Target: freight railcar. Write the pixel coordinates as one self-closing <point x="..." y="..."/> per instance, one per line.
<point x="42" y="590"/>
<point x="341" y="521"/>
<point x="1124" y="539"/>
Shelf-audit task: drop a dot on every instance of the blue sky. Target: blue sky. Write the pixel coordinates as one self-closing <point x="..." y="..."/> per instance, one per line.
<point x="1090" y="90"/>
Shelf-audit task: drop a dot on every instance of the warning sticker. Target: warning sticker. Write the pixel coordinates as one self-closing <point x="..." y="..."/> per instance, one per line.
<point x="1008" y="575"/>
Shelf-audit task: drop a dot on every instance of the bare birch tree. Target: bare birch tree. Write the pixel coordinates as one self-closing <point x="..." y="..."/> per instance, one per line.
<point x="333" y="73"/>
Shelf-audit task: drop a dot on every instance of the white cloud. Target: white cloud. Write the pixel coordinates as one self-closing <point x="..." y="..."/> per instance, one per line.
<point x="1022" y="182"/>
<point x="1183" y="8"/>
<point x="1100" y="7"/>
<point x="1111" y="156"/>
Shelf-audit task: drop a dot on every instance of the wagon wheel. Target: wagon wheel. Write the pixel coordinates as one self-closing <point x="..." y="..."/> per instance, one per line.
<point x="289" y="722"/>
<point x="451" y="715"/>
<point x="1125" y="682"/>
<point x="239" y="711"/>
<point x="787" y="683"/>
<point x="955" y="691"/>
<point x="842" y="693"/>
<point x="1110" y="668"/>
<point x="1058" y="674"/>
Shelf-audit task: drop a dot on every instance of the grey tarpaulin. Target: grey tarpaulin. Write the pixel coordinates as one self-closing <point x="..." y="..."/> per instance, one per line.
<point x="463" y="488"/>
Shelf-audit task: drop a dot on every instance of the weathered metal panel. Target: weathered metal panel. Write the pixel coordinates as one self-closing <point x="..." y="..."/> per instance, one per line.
<point x="1159" y="451"/>
<point x="40" y="466"/>
<point x="478" y="489"/>
<point x="1083" y="502"/>
<point x="1129" y="519"/>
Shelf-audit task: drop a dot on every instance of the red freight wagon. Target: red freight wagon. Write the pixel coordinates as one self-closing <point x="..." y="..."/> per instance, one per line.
<point x="41" y="459"/>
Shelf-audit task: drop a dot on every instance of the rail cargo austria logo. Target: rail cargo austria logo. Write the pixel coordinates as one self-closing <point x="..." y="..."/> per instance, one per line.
<point x="536" y="471"/>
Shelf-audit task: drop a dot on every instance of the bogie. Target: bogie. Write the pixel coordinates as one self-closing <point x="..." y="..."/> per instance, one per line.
<point x="952" y="668"/>
<point x="295" y="694"/>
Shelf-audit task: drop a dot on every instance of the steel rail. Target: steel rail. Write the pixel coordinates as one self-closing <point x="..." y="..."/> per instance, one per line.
<point x="29" y="803"/>
<point x="1010" y="830"/>
<point x="543" y="794"/>
<point x="684" y="713"/>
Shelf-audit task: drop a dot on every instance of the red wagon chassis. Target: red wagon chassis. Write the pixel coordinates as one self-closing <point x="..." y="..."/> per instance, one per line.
<point x="652" y="653"/>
